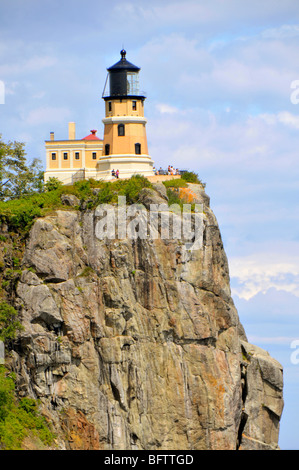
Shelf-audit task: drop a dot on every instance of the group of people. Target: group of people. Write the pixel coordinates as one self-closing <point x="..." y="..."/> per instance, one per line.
<point x="170" y="171"/>
<point x="115" y="174"/>
<point x="173" y="171"/>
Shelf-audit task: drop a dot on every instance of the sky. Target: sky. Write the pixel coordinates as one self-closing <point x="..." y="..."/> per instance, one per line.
<point x="222" y="86"/>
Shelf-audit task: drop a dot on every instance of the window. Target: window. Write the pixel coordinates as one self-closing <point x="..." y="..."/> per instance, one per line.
<point x="77" y="156"/>
<point x="107" y="149"/>
<point x="109" y="106"/>
<point x="121" y="129"/>
<point x="134" y="105"/>
<point x="65" y="156"/>
<point x="132" y="83"/>
<point x="138" y="149"/>
<point x="53" y="156"/>
<point x="94" y="155"/>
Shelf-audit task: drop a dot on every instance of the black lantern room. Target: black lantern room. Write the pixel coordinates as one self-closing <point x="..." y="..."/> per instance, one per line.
<point x="122" y="80"/>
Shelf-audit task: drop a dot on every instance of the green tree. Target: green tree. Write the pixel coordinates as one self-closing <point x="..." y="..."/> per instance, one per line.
<point x="9" y="325"/>
<point x="53" y="183"/>
<point x="17" y="177"/>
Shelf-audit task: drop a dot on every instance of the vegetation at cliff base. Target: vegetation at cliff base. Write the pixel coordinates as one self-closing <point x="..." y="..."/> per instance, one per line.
<point x="19" y="419"/>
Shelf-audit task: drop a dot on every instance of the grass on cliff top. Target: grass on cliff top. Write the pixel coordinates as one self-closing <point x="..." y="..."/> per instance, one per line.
<point x="19" y="214"/>
<point x="187" y="177"/>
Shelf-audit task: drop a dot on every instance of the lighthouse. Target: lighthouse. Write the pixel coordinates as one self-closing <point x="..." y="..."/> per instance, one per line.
<point x="125" y="143"/>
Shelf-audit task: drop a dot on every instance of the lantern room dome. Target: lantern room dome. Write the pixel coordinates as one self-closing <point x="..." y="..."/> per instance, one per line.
<point x="123" y="64"/>
<point x="123" y="80"/>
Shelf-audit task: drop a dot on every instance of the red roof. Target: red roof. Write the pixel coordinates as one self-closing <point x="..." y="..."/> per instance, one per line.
<point x="91" y="136"/>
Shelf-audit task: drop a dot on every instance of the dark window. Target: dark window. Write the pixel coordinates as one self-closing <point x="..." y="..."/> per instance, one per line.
<point x="138" y="149"/>
<point x="65" y="156"/>
<point x="107" y="149"/>
<point x="53" y="156"/>
<point x="121" y="129"/>
<point x="77" y="156"/>
<point x="109" y="106"/>
<point x="134" y="105"/>
<point x="94" y="155"/>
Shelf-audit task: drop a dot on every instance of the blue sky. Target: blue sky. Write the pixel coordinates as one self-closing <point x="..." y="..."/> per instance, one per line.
<point x="218" y="80"/>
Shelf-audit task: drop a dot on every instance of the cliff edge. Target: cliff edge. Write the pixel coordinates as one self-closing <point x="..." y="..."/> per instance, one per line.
<point x="136" y="343"/>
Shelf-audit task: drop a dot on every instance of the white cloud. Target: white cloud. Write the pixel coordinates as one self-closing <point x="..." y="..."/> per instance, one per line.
<point x="30" y="65"/>
<point x="262" y="271"/>
<point x="284" y="117"/>
<point x="164" y="108"/>
<point x="47" y="114"/>
<point x="207" y="15"/>
<point x="283" y="31"/>
<point x="278" y="340"/>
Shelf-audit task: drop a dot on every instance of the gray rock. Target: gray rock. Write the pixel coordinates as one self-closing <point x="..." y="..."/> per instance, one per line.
<point x="148" y="196"/>
<point x="202" y="197"/>
<point x="142" y="338"/>
<point x="263" y="399"/>
<point x="70" y="200"/>
<point x="161" y="190"/>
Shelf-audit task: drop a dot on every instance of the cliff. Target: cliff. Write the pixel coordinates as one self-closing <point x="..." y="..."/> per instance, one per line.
<point x="136" y="343"/>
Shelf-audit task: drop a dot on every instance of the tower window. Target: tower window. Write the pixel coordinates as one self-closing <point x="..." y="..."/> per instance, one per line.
<point x="134" y="105"/>
<point x="65" y="156"/>
<point x="121" y="129"/>
<point x="107" y="149"/>
<point x="138" y="149"/>
<point x="53" y="156"/>
<point x="94" y="155"/>
<point x="77" y="156"/>
<point x="109" y="106"/>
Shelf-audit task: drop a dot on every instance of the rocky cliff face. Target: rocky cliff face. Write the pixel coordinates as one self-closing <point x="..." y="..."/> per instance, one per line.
<point x="136" y="344"/>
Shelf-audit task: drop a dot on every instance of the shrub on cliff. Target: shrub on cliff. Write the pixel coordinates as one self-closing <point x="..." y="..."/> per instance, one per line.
<point x="191" y="177"/>
<point x="9" y="324"/>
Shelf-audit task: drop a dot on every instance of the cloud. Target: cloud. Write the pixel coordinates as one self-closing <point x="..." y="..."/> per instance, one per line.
<point x="207" y="15"/>
<point x="283" y="31"/>
<point x="260" y="272"/>
<point x="277" y="340"/>
<point x="284" y="117"/>
<point x="29" y="65"/>
<point x="166" y="108"/>
<point x="47" y="115"/>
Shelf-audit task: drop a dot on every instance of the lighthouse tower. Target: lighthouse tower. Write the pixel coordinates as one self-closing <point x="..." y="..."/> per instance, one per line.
<point x="125" y="143"/>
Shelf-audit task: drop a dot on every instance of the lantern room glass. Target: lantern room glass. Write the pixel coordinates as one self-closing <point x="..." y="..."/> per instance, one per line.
<point x="132" y="83"/>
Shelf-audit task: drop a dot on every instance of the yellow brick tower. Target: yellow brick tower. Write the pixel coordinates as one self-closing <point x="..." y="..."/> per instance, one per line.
<point x="125" y="143"/>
